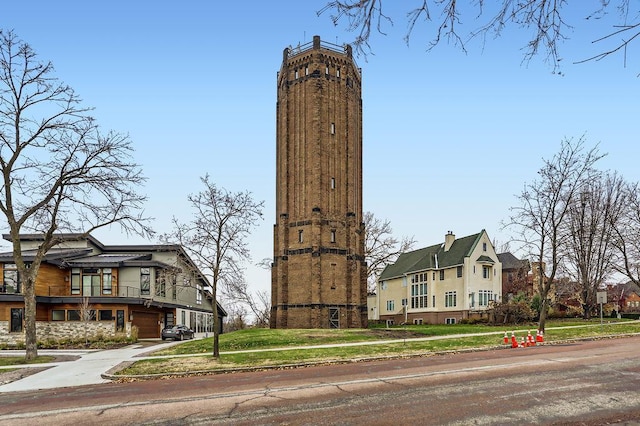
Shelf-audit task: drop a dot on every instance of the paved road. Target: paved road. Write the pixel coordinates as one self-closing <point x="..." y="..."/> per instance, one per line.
<point x="583" y="383"/>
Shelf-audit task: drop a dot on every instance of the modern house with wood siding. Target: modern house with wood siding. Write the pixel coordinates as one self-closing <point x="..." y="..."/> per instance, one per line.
<point x="441" y="284"/>
<point x="146" y="286"/>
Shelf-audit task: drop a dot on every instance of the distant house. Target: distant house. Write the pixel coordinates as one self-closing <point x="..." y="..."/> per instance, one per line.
<point x="146" y="286"/>
<point x="516" y="277"/>
<point x="631" y="303"/>
<point x="443" y="283"/>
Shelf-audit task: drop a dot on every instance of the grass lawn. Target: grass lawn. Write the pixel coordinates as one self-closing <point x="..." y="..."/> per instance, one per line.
<point x="17" y="360"/>
<point x="291" y="344"/>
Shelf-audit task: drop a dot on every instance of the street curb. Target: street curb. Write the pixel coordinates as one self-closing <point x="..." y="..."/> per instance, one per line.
<point x="110" y="375"/>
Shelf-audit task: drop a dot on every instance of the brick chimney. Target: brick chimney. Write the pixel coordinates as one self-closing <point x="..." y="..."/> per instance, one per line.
<point x="448" y="240"/>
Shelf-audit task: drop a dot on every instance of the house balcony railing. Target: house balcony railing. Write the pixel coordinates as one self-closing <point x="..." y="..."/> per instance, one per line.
<point x="119" y="291"/>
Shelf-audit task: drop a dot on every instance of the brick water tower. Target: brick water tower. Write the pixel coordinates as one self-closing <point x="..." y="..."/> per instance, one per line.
<point x="318" y="276"/>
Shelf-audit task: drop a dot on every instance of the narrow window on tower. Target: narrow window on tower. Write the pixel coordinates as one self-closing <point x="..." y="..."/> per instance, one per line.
<point x="306" y="70"/>
<point x="333" y="183"/>
<point x="333" y="276"/>
<point x="333" y="235"/>
<point x="296" y="74"/>
<point x="326" y="69"/>
<point x="300" y="236"/>
<point x="338" y="72"/>
<point x="333" y="128"/>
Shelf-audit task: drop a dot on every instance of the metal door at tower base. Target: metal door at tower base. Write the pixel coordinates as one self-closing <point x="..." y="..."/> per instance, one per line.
<point x="334" y="318"/>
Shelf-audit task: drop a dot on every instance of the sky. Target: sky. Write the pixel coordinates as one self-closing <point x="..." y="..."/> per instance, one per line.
<point x="450" y="138"/>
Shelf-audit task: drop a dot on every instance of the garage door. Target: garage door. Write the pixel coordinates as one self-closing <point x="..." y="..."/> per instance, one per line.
<point x="147" y="323"/>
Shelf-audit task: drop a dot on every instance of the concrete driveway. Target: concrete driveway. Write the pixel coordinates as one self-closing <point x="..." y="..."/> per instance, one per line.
<point x="86" y="370"/>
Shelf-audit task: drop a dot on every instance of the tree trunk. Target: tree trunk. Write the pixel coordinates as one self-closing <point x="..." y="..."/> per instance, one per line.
<point x="543" y="313"/>
<point x="30" y="338"/>
<point x="216" y="326"/>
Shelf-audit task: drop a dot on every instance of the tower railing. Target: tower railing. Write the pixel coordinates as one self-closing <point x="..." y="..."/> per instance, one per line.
<point x="302" y="48"/>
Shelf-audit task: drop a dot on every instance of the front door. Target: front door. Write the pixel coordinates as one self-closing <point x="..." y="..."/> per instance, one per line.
<point x="334" y="318"/>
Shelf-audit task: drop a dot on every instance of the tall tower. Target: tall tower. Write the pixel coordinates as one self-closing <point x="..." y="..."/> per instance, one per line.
<point x="318" y="276"/>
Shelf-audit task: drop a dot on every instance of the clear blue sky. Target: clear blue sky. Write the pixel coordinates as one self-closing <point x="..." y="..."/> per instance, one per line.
<point x="449" y="138"/>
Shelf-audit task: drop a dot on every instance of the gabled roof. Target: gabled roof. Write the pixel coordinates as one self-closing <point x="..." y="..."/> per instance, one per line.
<point x="509" y="261"/>
<point x="433" y="257"/>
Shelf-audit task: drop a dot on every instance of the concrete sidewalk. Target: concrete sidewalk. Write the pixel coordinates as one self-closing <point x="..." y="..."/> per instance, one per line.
<point x="86" y="370"/>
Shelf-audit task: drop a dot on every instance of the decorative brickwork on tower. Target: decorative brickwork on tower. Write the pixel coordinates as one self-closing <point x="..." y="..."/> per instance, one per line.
<point x="318" y="277"/>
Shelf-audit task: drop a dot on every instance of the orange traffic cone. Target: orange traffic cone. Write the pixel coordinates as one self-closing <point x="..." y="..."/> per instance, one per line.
<point x="539" y="336"/>
<point x="514" y="342"/>
<point x="506" y="338"/>
<point x="530" y="340"/>
<point x="524" y="343"/>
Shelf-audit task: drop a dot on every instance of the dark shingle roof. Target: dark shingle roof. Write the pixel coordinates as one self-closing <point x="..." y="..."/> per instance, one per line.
<point x="509" y="261"/>
<point x="432" y="257"/>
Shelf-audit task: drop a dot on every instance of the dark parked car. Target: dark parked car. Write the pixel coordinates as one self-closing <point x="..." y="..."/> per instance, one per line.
<point x="177" y="332"/>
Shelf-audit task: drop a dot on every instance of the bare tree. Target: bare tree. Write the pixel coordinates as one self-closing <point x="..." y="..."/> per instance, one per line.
<point x="592" y="219"/>
<point x="540" y="219"/>
<point x="381" y="248"/>
<point x="258" y="302"/>
<point x="60" y="172"/>
<point x="216" y="237"/>
<point x="627" y="235"/>
<point x="87" y="313"/>
<point x="545" y="21"/>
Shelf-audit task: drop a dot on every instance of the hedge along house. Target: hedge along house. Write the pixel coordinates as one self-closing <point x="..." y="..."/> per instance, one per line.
<point x="146" y="286"/>
<point x="444" y="283"/>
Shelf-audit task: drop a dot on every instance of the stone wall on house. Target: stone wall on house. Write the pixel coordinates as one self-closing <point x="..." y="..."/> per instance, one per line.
<point x="61" y="330"/>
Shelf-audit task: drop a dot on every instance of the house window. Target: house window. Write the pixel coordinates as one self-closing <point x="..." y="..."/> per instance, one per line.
<point x="10" y="281"/>
<point x="459" y="271"/>
<point x="484" y="296"/>
<point x="300" y="236"/>
<point x="484" y="246"/>
<point x="441" y="274"/>
<point x="73" y="315"/>
<point x="450" y="321"/>
<point x="105" y="315"/>
<point x="57" y="315"/>
<point x="184" y="317"/>
<point x="145" y="281"/>
<point x="333" y="235"/>
<point x="486" y="272"/>
<point x="433" y="301"/>
<point x="90" y="281"/>
<point x="450" y="299"/>
<point x="16" y="320"/>
<point x="391" y="305"/>
<point x="75" y="281"/>
<point x="434" y="276"/>
<point x="161" y="284"/>
<point x="417" y="321"/>
<point x="419" y="295"/>
<point x="106" y="281"/>
<point x="199" y="294"/>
